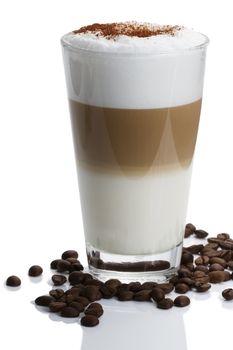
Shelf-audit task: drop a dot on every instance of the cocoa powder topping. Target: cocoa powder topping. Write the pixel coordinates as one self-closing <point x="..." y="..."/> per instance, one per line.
<point x="131" y="29"/>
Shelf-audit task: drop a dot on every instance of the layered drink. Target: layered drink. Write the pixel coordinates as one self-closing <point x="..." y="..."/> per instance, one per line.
<point x="135" y="92"/>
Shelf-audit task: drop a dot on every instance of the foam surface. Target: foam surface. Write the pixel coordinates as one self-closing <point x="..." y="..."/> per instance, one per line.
<point x="133" y="72"/>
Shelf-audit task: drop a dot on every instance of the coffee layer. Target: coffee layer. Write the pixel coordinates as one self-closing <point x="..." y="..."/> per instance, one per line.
<point x="135" y="140"/>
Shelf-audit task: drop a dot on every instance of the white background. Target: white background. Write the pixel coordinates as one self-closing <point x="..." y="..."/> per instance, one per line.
<point x="39" y="203"/>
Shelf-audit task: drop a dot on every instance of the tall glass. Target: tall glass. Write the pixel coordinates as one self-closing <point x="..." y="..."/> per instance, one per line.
<point x="135" y="121"/>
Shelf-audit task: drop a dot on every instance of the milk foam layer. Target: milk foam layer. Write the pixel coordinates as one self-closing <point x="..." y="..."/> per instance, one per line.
<point x="133" y="72"/>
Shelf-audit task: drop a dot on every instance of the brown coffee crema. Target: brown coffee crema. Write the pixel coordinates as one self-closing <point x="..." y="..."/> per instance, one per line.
<point x="134" y="141"/>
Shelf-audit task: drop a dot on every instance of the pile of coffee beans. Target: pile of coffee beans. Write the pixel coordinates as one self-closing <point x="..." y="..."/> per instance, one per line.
<point x="201" y="266"/>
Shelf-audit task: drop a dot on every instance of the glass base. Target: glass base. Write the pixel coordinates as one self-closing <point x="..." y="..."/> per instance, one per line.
<point x="128" y="268"/>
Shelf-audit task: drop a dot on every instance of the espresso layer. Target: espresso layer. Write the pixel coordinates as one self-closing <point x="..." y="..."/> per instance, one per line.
<point x="134" y="140"/>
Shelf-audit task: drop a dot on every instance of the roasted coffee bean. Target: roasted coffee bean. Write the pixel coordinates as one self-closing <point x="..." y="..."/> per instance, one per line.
<point x="181" y="301"/>
<point x="227" y="276"/>
<point x="89" y="321"/>
<point x="166" y="287"/>
<point x="113" y="283"/>
<point x="58" y="280"/>
<point x="223" y="236"/>
<point x="69" y="311"/>
<point x="75" y="291"/>
<point x="76" y="267"/>
<point x="44" y="300"/>
<point x="157" y="294"/>
<point x="165" y="304"/>
<point x="56" y="306"/>
<point x="213" y="240"/>
<point x="217" y="276"/>
<point x="186" y="258"/>
<point x="82" y="300"/>
<point x="87" y="277"/>
<point x="63" y="266"/>
<point x="211" y="253"/>
<point x="56" y="293"/>
<point x="53" y="264"/>
<point x="228" y="245"/>
<point x="228" y="294"/>
<point x="35" y="271"/>
<point x="210" y="246"/>
<point x="202" y="260"/>
<point x="135" y="286"/>
<point x="216" y="267"/>
<point x="76" y="277"/>
<point x="73" y="260"/>
<point x="195" y="248"/>
<point x="201" y="234"/>
<point x="181" y="288"/>
<point x="148" y="285"/>
<point x="218" y="260"/>
<point x="186" y="280"/>
<point x="190" y="266"/>
<point x="77" y="306"/>
<point x="174" y="280"/>
<point x="125" y="295"/>
<point x="107" y="292"/>
<point x="202" y="287"/>
<point x="202" y="268"/>
<point x="143" y="295"/>
<point x="69" y="254"/>
<point x="230" y="265"/>
<point x="189" y="230"/>
<point x="227" y="255"/>
<point x="123" y="287"/>
<point x="198" y="274"/>
<point x="93" y="282"/>
<point x="13" y="281"/>
<point x="91" y="293"/>
<point x="94" y="309"/>
<point x="184" y="272"/>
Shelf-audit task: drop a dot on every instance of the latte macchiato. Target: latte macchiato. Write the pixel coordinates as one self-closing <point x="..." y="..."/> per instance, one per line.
<point x="135" y="93"/>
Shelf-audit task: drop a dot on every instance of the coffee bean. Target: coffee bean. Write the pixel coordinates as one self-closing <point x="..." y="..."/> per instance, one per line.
<point x="94" y="309"/>
<point x="165" y="304"/>
<point x="77" y="306"/>
<point x="228" y="245"/>
<point x="53" y="264"/>
<point x="230" y="265"/>
<point x="56" y="306"/>
<point x="217" y="276"/>
<point x="107" y="292"/>
<point x="210" y="246"/>
<point x="69" y="254"/>
<point x="186" y="258"/>
<point x="186" y="280"/>
<point x="35" y="271"/>
<point x="201" y="233"/>
<point x="174" y="280"/>
<point x="76" y="277"/>
<point x="89" y="321"/>
<point x="125" y="295"/>
<point x="91" y="293"/>
<point x="202" y="268"/>
<point x="148" y="285"/>
<point x="212" y="253"/>
<point x="181" y="288"/>
<point x="44" y="300"/>
<point x="198" y="274"/>
<point x="227" y="255"/>
<point x="202" y="260"/>
<point x="223" y="236"/>
<point x="202" y="287"/>
<point x="228" y="294"/>
<point x="69" y="311"/>
<point x="227" y="275"/>
<point x="157" y="294"/>
<point x="76" y="267"/>
<point x="135" y="286"/>
<point x="216" y="267"/>
<point x="63" y="266"/>
<point x="82" y="300"/>
<point x="190" y="266"/>
<point x="58" y="280"/>
<point x="189" y="230"/>
<point x="184" y="272"/>
<point x="166" y="287"/>
<point x="181" y="301"/>
<point x="143" y="295"/>
<point x="93" y="282"/>
<point x="56" y="293"/>
<point x="113" y="283"/>
<point x="218" y="260"/>
<point x="195" y="248"/>
<point x="213" y="240"/>
<point x="13" y="281"/>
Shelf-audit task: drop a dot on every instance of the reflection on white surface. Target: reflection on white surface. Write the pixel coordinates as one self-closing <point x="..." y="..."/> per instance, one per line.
<point x="135" y="325"/>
